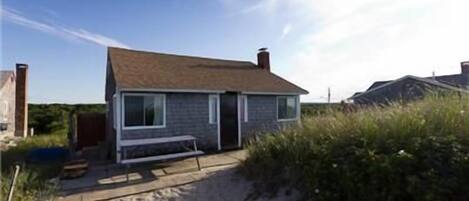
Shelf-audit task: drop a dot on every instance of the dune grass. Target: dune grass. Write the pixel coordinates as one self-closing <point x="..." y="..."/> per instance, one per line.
<point x="33" y="180"/>
<point x="414" y="151"/>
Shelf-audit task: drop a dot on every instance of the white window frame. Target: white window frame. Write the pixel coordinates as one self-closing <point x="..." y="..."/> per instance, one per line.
<point x="210" y="112"/>
<point x="143" y="127"/>
<point x="297" y="116"/>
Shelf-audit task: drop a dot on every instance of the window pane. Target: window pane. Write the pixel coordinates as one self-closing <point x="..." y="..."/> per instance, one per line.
<point x="133" y="110"/>
<point x="291" y="107"/>
<point x="241" y="109"/>
<point x="245" y="108"/>
<point x="149" y="105"/>
<point x="159" y="110"/>
<point x="287" y="107"/>
<point x="282" y="108"/>
<point x="213" y="110"/>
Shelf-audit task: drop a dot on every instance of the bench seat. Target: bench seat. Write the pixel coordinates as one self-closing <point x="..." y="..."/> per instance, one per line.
<point x="160" y="140"/>
<point x="162" y="157"/>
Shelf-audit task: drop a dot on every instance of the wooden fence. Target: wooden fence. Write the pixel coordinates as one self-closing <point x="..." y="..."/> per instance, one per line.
<point x="90" y="129"/>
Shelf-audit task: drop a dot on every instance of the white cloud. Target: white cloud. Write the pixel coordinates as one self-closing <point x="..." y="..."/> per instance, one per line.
<point x="15" y="17"/>
<point x="286" y="30"/>
<point x="95" y="38"/>
<point x="264" y="5"/>
<point x="353" y="43"/>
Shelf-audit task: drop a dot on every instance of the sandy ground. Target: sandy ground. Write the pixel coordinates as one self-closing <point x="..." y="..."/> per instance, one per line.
<point x="225" y="184"/>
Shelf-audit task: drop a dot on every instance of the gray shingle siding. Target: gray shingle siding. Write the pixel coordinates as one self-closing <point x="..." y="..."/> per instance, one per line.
<point x="466" y="78"/>
<point x="186" y="114"/>
<point x="262" y="116"/>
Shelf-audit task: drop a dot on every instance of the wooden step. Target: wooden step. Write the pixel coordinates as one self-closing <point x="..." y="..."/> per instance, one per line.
<point x="76" y="166"/>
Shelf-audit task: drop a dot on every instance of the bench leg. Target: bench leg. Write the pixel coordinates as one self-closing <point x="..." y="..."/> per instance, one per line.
<point x="127" y="172"/>
<point x="198" y="163"/>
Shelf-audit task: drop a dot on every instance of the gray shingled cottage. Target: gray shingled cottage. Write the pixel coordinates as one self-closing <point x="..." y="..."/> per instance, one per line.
<point x="220" y="103"/>
<point x="410" y="87"/>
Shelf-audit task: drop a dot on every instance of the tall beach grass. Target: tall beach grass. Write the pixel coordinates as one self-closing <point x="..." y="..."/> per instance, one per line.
<point x="413" y="151"/>
<point x="33" y="180"/>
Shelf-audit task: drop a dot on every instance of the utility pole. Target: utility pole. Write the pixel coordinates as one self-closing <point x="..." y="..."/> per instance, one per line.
<point x="329" y="95"/>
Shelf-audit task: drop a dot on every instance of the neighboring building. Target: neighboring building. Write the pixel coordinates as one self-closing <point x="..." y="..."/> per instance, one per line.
<point x="13" y="102"/>
<point x="7" y="103"/>
<point x="412" y="87"/>
<point x="220" y="102"/>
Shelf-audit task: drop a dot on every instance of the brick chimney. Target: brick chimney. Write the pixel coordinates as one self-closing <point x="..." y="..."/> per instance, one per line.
<point x="263" y="59"/>
<point x="465" y="67"/>
<point x="21" y="107"/>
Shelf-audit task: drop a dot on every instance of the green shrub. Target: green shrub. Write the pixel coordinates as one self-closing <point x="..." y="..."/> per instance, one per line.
<point x="418" y="151"/>
<point x="50" y="118"/>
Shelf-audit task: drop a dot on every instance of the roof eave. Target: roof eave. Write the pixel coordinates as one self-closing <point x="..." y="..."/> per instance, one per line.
<point x="125" y="89"/>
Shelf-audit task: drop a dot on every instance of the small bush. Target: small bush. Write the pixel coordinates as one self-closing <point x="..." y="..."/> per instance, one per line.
<point x="418" y="151"/>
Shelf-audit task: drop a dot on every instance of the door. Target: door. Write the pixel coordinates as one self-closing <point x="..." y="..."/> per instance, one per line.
<point x="229" y="120"/>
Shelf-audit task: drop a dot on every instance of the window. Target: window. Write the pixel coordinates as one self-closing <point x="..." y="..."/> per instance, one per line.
<point x="213" y="109"/>
<point x="244" y="107"/>
<point x="144" y="111"/>
<point x="4" y="111"/>
<point x="287" y="108"/>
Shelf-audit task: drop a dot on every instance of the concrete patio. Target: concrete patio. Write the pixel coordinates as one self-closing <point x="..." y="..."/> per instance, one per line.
<point x="104" y="182"/>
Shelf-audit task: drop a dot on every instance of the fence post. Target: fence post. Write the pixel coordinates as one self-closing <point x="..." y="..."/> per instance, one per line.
<point x="13" y="183"/>
<point x="72" y="132"/>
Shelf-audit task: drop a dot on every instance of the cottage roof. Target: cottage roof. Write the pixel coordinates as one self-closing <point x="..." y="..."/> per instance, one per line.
<point x="134" y="69"/>
<point x="419" y="79"/>
<point x="5" y="76"/>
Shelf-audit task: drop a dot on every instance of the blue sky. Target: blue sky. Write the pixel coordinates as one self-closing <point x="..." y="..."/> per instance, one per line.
<point x="316" y="44"/>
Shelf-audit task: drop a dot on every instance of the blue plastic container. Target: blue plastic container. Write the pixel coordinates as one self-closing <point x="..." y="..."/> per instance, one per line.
<point x="47" y="155"/>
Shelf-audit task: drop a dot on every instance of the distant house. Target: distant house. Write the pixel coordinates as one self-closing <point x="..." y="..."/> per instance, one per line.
<point x="220" y="102"/>
<point x="412" y="87"/>
<point x="13" y="102"/>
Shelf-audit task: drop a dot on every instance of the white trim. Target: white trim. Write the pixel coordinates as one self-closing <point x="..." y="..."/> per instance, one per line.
<point x="239" y="119"/>
<point x="205" y="91"/>
<point x="171" y="90"/>
<point x="143" y="127"/>
<point x="218" y="123"/>
<point x="210" y="112"/>
<point x="272" y="93"/>
<point x="119" y="128"/>
<point x="114" y="111"/>
<point x="297" y="116"/>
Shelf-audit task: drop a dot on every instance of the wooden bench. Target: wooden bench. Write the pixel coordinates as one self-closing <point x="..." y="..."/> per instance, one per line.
<point x="163" y="140"/>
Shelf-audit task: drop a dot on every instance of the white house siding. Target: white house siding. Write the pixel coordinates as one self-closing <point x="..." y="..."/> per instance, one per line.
<point x="7" y="104"/>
